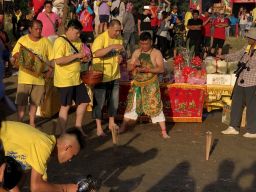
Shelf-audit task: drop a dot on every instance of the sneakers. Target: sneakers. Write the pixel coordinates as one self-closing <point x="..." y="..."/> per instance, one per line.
<point x="231" y="131"/>
<point x="250" y="135"/>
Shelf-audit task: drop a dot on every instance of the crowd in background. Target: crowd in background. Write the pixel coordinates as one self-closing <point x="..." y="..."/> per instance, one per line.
<point x="165" y="21"/>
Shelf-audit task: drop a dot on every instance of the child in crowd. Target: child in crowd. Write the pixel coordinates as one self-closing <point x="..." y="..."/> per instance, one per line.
<point x="179" y="32"/>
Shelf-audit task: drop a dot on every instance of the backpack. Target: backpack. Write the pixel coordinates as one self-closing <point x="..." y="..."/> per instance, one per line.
<point x="115" y="11"/>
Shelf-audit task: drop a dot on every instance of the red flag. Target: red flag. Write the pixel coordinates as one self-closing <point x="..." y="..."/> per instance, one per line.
<point x="37" y="4"/>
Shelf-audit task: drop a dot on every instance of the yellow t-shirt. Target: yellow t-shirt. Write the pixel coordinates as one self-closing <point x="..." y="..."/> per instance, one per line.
<point x="29" y="146"/>
<point x="188" y="16"/>
<point x="111" y="66"/>
<point x="43" y="48"/>
<point x="66" y="75"/>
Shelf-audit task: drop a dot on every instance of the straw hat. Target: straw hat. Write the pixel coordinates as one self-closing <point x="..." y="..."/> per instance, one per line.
<point x="251" y="34"/>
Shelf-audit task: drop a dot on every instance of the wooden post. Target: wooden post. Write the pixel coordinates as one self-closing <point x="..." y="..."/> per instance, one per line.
<point x="208" y="144"/>
<point x="114" y="132"/>
<point x="64" y="18"/>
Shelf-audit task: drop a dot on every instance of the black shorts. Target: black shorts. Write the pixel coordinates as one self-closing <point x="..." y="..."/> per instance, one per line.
<point x="207" y="42"/>
<point x="78" y="94"/>
<point x="218" y="43"/>
<point x="104" y="18"/>
<point x="87" y="37"/>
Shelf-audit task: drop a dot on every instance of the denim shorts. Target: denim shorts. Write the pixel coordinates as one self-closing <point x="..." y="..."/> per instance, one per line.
<point x="106" y="92"/>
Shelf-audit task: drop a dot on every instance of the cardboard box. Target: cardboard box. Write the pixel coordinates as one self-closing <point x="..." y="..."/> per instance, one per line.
<point x="233" y="79"/>
<point x="218" y="79"/>
<point x="226" y="116"/>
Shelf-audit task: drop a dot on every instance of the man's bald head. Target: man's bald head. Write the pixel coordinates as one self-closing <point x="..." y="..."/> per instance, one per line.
<point x="69" y="144"/>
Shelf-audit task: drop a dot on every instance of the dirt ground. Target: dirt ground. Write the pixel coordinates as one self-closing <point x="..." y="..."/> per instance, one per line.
<point x="144" y="162"/>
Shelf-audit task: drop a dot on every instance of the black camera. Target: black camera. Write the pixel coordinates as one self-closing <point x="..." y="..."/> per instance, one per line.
<point x="240" y="67"/>
<point x="88" y="184"/>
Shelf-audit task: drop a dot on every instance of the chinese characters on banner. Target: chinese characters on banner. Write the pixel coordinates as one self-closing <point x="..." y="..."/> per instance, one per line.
<point x="196" y="4"/>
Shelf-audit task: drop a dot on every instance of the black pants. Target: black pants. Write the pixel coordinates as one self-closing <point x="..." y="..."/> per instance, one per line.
<point x="232" y="30"/>
<point x="163" y="45"/>
<point x="244" y="96"/>
<point x="195" y="44"/>
<point x="155" y="28"/>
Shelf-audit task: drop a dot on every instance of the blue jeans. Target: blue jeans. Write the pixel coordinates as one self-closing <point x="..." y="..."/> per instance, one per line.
<point x="109" y="92"/>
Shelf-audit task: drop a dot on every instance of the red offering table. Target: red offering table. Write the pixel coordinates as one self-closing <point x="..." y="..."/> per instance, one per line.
<point x="186" y="102"/>
<point x="181" y="102"/>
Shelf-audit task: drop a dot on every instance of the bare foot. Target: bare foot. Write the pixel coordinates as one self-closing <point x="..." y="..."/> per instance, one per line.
<point x="165" y="135"/>
<point x="101" y="134"/>
<point x="113" y="126"/>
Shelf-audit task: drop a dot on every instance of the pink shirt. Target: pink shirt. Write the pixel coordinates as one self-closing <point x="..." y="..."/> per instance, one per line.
<point x="48" y="27"/>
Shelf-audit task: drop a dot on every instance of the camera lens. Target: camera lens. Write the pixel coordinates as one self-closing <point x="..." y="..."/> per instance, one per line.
<point x="242" y="81"/>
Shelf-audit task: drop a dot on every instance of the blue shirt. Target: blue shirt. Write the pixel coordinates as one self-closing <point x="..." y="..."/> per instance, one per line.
<point x="233" y="20"/>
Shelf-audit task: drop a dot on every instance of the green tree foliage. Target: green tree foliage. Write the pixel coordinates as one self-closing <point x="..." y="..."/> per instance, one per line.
<point x="23" y="5"/>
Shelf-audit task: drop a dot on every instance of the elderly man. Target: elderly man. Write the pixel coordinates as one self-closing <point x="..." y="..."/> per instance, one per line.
<point x="245" y="88"/>
<point x="50" y="20"/>
<point x="33" y="154"/>
<point x="30" y="87"/>
<point x="105" y="49"/>
<point x="144" y="95"/>
<point x="68" y="55"/>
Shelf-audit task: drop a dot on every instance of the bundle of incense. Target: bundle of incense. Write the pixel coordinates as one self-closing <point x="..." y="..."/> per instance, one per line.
<point x="208" y="144"/>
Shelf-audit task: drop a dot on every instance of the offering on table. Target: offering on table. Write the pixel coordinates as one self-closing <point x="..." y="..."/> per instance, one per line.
<point x="215" y="65"/>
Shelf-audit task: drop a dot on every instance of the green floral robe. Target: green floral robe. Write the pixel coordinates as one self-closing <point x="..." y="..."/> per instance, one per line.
<point x="147" y="89"/>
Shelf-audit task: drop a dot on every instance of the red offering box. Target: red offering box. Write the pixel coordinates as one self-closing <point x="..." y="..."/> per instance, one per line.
<point x="186" y="102"/>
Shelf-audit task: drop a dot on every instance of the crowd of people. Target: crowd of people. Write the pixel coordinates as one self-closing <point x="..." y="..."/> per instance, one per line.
<point x="99" y="33"/>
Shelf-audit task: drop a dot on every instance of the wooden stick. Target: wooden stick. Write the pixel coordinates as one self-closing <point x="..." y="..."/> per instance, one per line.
<point x="114" y="132"/>
<point x="208" y="144"/>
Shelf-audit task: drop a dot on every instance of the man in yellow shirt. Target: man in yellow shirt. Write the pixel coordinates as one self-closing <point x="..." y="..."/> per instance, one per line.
<point x="105" y="49"/>
<point x="34" y="154"/>
<point x="67" y="74"/>
<point x="31" y="88"/>
<point x="188" y="15"/>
